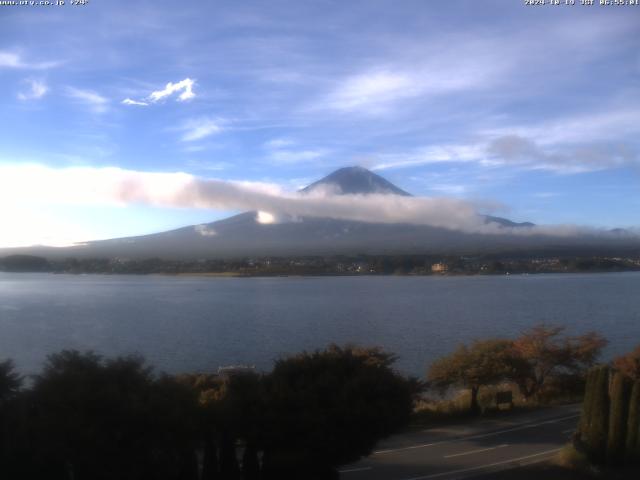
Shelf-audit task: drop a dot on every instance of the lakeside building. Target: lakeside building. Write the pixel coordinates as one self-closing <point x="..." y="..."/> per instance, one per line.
<point x="439" y="268"/>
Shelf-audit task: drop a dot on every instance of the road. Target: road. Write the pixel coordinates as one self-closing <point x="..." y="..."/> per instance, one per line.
<point x="473" y="449"/>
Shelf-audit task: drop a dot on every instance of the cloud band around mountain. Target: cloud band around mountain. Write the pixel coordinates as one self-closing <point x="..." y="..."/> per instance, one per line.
<point x="115" y="186"/>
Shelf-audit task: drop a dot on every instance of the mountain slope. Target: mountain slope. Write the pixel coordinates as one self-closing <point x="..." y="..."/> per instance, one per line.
<point x="356" y="180"/>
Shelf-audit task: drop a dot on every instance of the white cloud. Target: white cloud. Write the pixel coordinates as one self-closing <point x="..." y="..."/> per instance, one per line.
<point x="429" y="155"/>
<point x="265" y="218"/>
<point x="199" y="128"/>
<point x="11" y="60"/>
<point x="451" y="66"/>
<point x="36" y="90"/>
<point x="517" y="150"/>
<point x="20" y="184"/>
<point x="296" y="156"/>
<point x="14" y="60"/>
<point x="39" y="185"/>
<point x="572" y="144"/>
<point x="282" y="151"/>
<point x="470" y="62"/>
<point x="25" y="225"/>
<point x="95" y="101"/>
<point x="205" y="230"/>
<point x="129" y="101"/>
<point x="278" y="143"/>
<point x="546" y="194"/>
<point x="369" y="90"/>
<point x="614" y="124"/>
<point x="185" y="85"/>
<point x="449" y="188"/>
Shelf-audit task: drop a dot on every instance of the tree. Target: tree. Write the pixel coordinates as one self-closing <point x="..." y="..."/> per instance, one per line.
<point x="10" y="381"/>
<point x="483" y="363"/>
<point x="330" y="407"/>
<point x="629" y="364"/>
<point x="632" y="447"/>
<point x="231" y="409"/>
<point x="541" y="352"/>
<point x="104" y="419"/>
<point x="594" y="424"/>
<point x="588" y="402"/>
<point x="618" y="418"/>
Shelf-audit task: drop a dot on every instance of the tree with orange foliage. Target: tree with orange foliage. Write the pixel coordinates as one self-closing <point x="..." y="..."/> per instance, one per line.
<point x="629" y="364"/>
<point x="542" y="352"/>
<point x="474" y="366"/>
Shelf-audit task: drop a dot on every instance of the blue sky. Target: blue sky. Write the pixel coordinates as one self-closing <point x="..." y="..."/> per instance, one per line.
<point x="535" y="110"/>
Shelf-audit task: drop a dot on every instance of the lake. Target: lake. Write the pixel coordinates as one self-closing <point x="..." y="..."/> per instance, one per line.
<point x="199" y="323"/>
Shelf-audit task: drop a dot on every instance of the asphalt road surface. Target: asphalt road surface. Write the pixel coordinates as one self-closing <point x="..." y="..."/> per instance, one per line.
<point x="469" y="450"/>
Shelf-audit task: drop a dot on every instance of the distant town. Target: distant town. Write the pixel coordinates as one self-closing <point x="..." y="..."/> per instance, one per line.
<point x="331" y="265"/>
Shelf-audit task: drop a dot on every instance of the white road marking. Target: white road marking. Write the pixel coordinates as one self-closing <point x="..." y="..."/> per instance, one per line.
<point x="471" y="452"/>
<point x="412" y="447"/>
<point x="489" y="465"/>
<point x="473" y="437"/>
<point x="569" y="430"/>
<point x="349" y="470"/>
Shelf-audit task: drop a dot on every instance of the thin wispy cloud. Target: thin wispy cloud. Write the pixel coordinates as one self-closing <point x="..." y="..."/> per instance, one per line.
<point x="283" y="151"/>
<point x="546" y="194"/>
<point x="371" y="91"/>
<point x="96" y="102"/>
<point x="588" y="142"/>
<point x="521" y="151"/>
<point x="282" y="156"/>
<point x="449" y="188"/>
<point x="16" y="61"/>
<point x="613" y="124"/>
<point x="430" y="155"/>
<point x="441" y="70"/>
<point x="36" y="89"/>
<point x="199" y="128"/>
<point x="277" y="143"/>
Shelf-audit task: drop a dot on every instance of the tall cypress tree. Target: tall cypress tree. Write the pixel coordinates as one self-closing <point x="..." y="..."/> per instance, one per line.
<point x="587" y="403"/>
<point x="632" y="448"/>
<point x="620" y="390"/>
<point x="596" y="440"/>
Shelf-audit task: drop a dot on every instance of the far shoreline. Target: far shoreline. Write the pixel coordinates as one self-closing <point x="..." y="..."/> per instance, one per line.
<point x="515" y="263"/>
<point x="318" y="275"/>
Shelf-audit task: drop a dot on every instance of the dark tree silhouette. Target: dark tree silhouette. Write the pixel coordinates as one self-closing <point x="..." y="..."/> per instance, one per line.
<point x="329" y="408"/>
<point x="97" y="419"/>
<point x="10" y="381"/>
<point x="85" y="417"/>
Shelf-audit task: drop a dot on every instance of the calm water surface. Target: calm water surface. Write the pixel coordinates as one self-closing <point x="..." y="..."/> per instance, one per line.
<point x="189" y="323"/>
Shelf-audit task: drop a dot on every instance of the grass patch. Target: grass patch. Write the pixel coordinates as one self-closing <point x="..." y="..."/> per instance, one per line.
<point x="434" y="409"/>
<point x="569" y="457"/>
